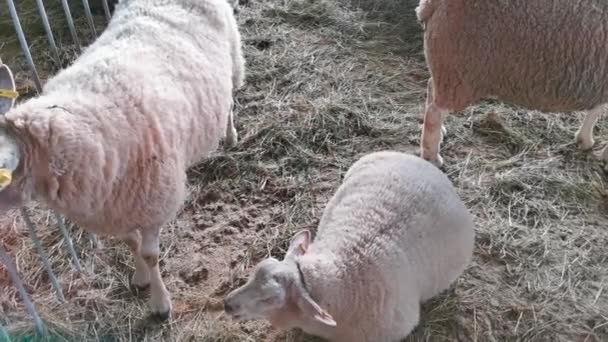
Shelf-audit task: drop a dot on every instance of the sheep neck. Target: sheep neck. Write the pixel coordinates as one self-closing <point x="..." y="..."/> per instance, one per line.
<point x="329" y="283"/>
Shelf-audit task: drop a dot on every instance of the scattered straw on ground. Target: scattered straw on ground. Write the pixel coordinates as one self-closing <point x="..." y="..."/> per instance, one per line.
<point x="325" y="85"/>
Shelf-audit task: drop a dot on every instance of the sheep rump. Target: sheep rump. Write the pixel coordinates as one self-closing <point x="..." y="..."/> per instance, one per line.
<point x="108" y="142"/>
<point x="544" y="55"/>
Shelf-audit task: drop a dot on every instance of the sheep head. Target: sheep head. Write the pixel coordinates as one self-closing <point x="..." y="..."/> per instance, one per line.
<point x="276" y="291"/>
<point x="9" y="159"/>
<point x="9" y="150"/>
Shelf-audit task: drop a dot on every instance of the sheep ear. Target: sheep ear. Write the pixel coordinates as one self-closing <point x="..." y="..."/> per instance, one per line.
<point x="299" y="244"/>
<point x="312" y="310"/>
<point x="8" y="92"/>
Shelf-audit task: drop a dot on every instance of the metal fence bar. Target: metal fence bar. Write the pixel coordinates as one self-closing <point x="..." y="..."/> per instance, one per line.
<point x="49" y="32"/>
<point x="68" y="17"/>
<point x="23" y="42"/>
<point x="42" y="253"/>
<point x="28" y="55"/>
<point x="87" y="11"/>
<point x="4" y="257"/>
<point x="68" y="241"/>
<point x="106" y="10"/>
<point x="12" y="272"/>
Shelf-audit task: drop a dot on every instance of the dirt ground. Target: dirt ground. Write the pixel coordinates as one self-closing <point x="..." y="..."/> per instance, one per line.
<point x="325" y="85"/>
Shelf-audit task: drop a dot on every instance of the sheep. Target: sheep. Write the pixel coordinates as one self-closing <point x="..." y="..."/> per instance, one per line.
<point x="109" y="140"/>
<point x="546" y="55"/>
<point x="393" y="235"/>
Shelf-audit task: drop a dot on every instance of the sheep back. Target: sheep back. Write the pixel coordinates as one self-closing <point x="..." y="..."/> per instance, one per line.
<point x="114" y="132"/>
<point x="397" y="216"/>
<point x="548" y="55"/>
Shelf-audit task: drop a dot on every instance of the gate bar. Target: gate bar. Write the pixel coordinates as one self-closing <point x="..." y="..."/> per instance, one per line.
<point x="12" y="272"/>
<point x="23" y="42"/>
<point x="87" y="11"/>
<point x="68" y="241"/>
<point x="49" y="32"/>
<point x="106" y="9"/>
<point x="42" y="253"/>
<point x="68" y="17"/>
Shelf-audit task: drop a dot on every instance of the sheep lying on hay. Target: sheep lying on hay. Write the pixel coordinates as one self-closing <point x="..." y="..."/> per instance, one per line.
<point x="393" y="235"/>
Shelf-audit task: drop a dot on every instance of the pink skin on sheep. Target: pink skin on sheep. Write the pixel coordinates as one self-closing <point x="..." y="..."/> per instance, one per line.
<point x="542" y="55"/>
<point x="108" y="142"/>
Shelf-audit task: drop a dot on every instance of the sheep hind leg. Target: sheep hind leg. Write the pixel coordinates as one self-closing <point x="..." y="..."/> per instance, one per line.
<point x="231" y="134"/>
<point x="584" y="136"/>
<point x="432" y="134"/>
<point x="141" y="276"/>
<point x="160" y="298"/>
<point x="429" y="102"/>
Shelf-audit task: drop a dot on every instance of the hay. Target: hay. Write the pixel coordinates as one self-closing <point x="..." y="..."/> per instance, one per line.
<point x="327" y="83"/>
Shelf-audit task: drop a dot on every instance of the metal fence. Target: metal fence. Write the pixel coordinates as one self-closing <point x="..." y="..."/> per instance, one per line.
<point x="5" y="258"/>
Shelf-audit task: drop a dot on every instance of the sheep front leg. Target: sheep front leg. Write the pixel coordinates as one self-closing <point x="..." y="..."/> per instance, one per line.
<point x="141" y="277"/>
<point x="231" y="135"/>
<point x="432" y="134"/>
<point x="429" y="102"/>
<point x="160" y="298"/>
<point x="584" y="136"/>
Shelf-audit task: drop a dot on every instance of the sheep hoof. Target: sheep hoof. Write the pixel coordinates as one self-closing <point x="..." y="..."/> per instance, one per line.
<point x="437" y="161"/>
<point x="231" y="140"/>
<point x="160" y="306"/>
<point x="161" y="316"/>
<point x="582" y="143"/>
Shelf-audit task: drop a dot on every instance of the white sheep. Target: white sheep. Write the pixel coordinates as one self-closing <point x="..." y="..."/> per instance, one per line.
<point x="394" y="234"/>
<point x="546" y="55"/>
<point x="109" y="140"/>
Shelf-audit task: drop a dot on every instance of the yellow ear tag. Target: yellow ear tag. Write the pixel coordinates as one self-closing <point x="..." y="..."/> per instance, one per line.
<point x="5" y="177"/>
<point x="11" y="94"/>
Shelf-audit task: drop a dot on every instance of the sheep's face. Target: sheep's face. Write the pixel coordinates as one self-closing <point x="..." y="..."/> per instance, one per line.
<point x="9" y="151"/>
<point x="264" y="292"/>
<point x="276" y="291"/>
<point x="9" y="161"/>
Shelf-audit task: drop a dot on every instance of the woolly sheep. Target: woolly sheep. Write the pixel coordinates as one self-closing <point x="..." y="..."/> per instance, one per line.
<point x="394" y="234"/>
<point x="109" y="140"/>
<point x="546" y="55"/>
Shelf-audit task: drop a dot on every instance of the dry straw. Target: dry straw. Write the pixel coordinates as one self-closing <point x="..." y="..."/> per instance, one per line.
<point x="327" y="83"/>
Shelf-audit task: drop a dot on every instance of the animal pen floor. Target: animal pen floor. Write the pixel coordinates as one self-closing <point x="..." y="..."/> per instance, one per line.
<point x="325" y="85"/>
